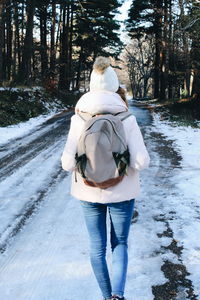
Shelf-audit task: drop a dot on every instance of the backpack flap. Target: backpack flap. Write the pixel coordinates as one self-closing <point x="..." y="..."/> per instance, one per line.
<point x="95" y="143"/>
<point x="102" y="154"/>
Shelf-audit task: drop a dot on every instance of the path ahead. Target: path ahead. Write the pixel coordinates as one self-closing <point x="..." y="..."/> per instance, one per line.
<point x="44" y="244"/>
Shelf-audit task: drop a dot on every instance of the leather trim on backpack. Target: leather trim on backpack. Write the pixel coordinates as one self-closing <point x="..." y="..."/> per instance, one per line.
<point x="105" y="184"/>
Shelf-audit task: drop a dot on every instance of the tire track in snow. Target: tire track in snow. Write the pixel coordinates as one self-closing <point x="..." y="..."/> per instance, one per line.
<point x="17" y="153"/>
<point x="47" y="261"/>
<point x="27" y="211"/>
<point x="34" y="172"/>
<point x="42" y="262"/>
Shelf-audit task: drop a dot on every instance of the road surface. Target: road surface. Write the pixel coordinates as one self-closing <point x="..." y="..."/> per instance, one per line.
<point x="43" y="239"/>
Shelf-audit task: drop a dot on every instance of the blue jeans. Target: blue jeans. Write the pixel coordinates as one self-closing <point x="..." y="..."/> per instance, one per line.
<point x="120" y="217"/>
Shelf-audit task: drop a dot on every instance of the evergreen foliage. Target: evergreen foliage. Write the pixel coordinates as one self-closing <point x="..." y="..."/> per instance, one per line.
<point x="175" y="28"/>
<point x="54" y="42"/>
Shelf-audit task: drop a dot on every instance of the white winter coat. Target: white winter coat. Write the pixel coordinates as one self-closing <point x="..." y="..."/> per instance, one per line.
<point x="129" y="187"/>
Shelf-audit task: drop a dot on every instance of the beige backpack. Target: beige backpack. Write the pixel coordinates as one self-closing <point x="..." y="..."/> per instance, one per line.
<point x="102" y="154"/>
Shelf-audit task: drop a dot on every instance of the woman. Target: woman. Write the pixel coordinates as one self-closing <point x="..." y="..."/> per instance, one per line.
<point x="118" y="201"/>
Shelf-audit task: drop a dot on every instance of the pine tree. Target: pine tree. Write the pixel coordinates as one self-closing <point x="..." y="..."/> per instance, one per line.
<point x="152" y="18"/>
<point x="41" y="39"/>
<point x="96" y="32"/>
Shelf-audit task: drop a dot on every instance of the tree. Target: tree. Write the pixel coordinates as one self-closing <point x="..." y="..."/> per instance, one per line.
<point x="193" y="29"/>
<point x="25" y="71"/>
<point x="139" y="62"/>
<point x="153" y="18"/>
<point x="42" y="40"/>
<point x="176" y="38"/>
<point x="53" y="46"/>
<point x="42" y="13"/>
<point x="96" y="32"/>
<point x="9" y="39"/>
<point x="2" y="3"/>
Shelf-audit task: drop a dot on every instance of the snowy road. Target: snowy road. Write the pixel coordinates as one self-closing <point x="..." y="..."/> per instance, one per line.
<point x="44" y="243"/>
<point x="29" y="167"/>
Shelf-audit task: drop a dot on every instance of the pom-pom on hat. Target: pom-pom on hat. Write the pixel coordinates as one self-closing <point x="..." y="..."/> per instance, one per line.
<point x="103" y="77"/>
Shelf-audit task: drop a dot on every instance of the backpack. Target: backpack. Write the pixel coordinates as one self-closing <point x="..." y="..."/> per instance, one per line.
<point x="102" y="154"/>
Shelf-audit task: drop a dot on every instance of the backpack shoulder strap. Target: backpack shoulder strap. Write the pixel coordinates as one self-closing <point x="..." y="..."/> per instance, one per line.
<point x="84" y="116"/>
<point x="124" y="115"/>
<point x="87" y="116"/>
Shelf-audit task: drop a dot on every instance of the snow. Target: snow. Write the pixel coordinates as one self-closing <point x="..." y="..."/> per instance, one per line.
<point x="15" y="131"/>
<point x="23" y="128"/>
<point x="14" y="201"/>
<point x="49" y="259"/>
<point x="187" y="140"/>
<point x="186" y="228"/>
<point x="17" y="89"/>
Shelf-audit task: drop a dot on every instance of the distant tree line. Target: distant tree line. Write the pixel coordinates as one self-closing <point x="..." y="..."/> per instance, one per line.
<point x="48" y="41"/>
<point x="55" y="43"/>
<point x="164" y="55"/>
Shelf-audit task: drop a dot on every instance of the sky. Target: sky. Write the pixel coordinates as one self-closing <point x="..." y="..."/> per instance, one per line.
<point x="124" y="10"/>
<point x="123" y="16"/>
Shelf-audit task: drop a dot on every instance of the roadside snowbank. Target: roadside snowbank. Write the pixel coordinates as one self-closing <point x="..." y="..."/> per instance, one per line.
<point x="16" y="89"/>
<point x="22" y="128"/>
<point x="187" y="143"/>
<point x="187" y="140"/>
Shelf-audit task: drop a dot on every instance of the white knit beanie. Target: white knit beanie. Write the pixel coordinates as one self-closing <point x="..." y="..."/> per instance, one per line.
<point x="103" y="77"/>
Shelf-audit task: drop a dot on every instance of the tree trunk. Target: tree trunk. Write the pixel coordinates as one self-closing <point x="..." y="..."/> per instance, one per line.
<point x="9" y="35"/>
<point x="145" y="83"/>
<point x="53" y="50"/>
<point x="165" y="44"/>
<point x="23" y="22"/>
<point x="43" y="41"/>
<point x="63" y="80"/>
<point x="158" y="39"/>
<point x="196" y="83"/>
<point x="1" y="40"/>
<point x="79" y="69"/>
<point x="16" y="40"/>
<point x="70" y="46"/>
<point x="17" y="46"/>
<point x="25" y="72"/>
<point x="170" y="53"/>
<point x="195" y="58"/>
<point x="66" y="59"/>
<point x="185" y="49"/>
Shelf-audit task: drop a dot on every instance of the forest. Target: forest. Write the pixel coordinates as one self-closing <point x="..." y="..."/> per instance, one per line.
<point x="54" y="43"/>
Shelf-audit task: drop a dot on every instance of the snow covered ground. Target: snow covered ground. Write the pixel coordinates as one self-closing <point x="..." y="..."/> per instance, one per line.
<point x="49" y="256"/>
<point x="187" y="227"/>
<point x="23" y="128"/>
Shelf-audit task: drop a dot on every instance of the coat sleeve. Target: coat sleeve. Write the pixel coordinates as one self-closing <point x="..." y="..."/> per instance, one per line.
<point x="139" y="157"/>
<point x="69" y="152"/>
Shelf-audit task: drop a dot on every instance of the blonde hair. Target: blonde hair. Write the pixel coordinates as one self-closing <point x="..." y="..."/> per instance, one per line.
<point x="122" y="94"/>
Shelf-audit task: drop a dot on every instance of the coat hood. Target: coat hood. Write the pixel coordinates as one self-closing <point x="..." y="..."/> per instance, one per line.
<point x="100" y="102"/>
